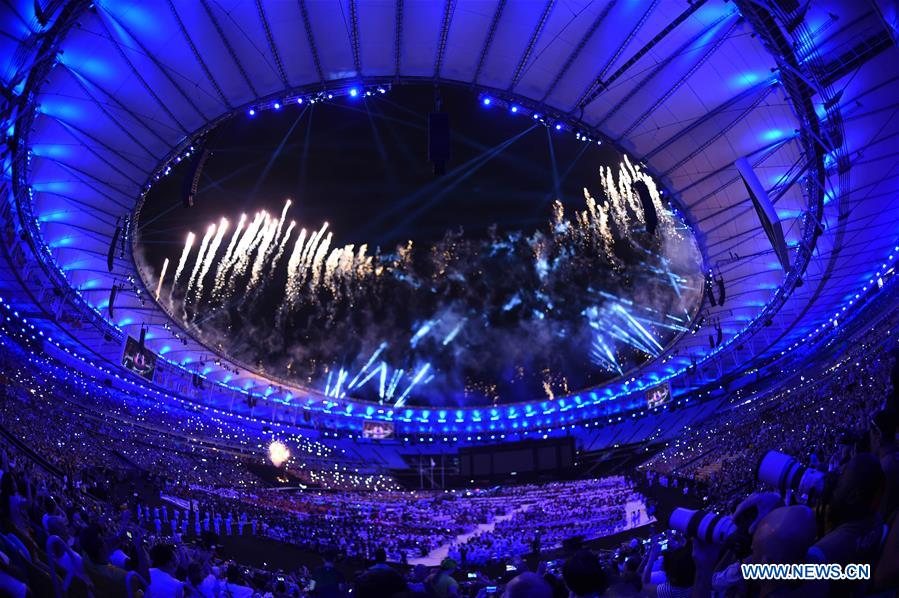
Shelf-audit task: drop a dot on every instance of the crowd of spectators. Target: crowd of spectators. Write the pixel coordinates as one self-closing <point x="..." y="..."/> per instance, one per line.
<point x="410" y="525"/>
<point x="81" y="423"/>
<point x="817" y="420"/>
<point x="70" y="444"/>
<point x="544" y="516"/>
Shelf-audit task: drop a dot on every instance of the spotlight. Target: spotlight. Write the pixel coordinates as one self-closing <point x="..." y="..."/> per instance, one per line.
<point x="252" y="112"/>
<point x="299" y="100"/>
<point x="330" y="96"/>
<point x="536" y="116"/>
<point x="486" y="101"/>
<point x="514" y="109"/>
<point x="277" y="105"/>
<point x="353" y="92"/>
<point x="381" y="90"/>
<point x="558" y="126"/>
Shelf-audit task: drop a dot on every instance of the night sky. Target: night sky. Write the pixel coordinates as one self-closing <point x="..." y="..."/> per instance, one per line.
<point x="362" y="165"/>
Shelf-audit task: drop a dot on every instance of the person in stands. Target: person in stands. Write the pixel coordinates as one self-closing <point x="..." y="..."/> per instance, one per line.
<point x="583" y="575"/>
<point x="528" y="585"/>
<point x="163" y="583"/>
<point x="380" y="560"/>
<point x="442" y="583"/>
<point x="883" y="445"/>
<point x="327" y="581"/>
<point x="680" y="573"/>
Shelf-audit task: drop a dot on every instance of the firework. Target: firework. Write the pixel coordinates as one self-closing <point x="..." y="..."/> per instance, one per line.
<point x="282" y="245"/>
<point x="323" y="277"/>
<point x="182" y="261"/>
<point x="415" y="380"/>
<point x="278" y="453"/>
<point x="245" y="249"/>
<point x="165" y="266"/>
<point x="226" y="259"/>
<point x="210" y="256"/>
<point x="201" y="254"/>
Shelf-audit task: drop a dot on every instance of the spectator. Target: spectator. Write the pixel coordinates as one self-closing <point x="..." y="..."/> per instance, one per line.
<point x="108" y="579"/>
<point x="380" y="560"/>
<point x="680" y="573"/>
<point x="327" y="581"/>
<point x="584" y="575"/>
<point x="163" y="583"/>
<point x="442" y="583"/>
<point x="783" y="536"/>
<point x="200" y="584"/>
<point x="234" y="586"/>
<point x="883" y="444"/>
<point x="528" y="585"/>
<point x="856" y="529"/>
<point x="381" y="582"/>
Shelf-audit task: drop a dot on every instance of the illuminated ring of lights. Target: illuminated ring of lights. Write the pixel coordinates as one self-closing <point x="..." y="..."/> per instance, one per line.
<point x="499" y="94"/>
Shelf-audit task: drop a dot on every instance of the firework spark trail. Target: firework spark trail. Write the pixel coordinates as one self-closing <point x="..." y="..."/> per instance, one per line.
<point x="616" y="205"/>
<point x="280" y="252"/>
<point x="249" y="236"/>
<point x="328" y="384"/>
<point x="260" y="242"/>
<point x="422" y="332"/>
<point x="313" y="239"/>
<point x="234" y="238"/>
<point x="246" y="247"/>
<point x="367" y="365"/>
<point x="165" y="266"/>
<point x="297" y="274"/>
<point x="603" y="356"/>
<point x="591" y="228"/>
<point x="363" y="261"/>
<point x="332" y="263"/>
<point x="394" y="380"/>
<point x="383" y="380"/>
<point x="210" y="231"/>
<point x="344" y="262"/>
<point x="599" y="220"/>
<point x="270" y="246"/>
<point x="548" y="390"/>
<point x="637" y="174"/>
<point x="310" y="251"/>
<point x="421" y="374"/>
<point x="183" y="260"/>
<point x="627" y="176"/>
<point x="643" y="331"/>
<point x="341" y="376"/>
<point x="229" y="259"/>
<point x="293" y="265"/>
<point x="263" y="252"/>
<point x="210" y="255"/>
<point x="282" y="219"/>
<point x="666" y="218"/>
<point x="454" y="332"/>
<point x="382" y="368"/>
<point x="226" y="259"/>
<point x="316" y="266"/>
